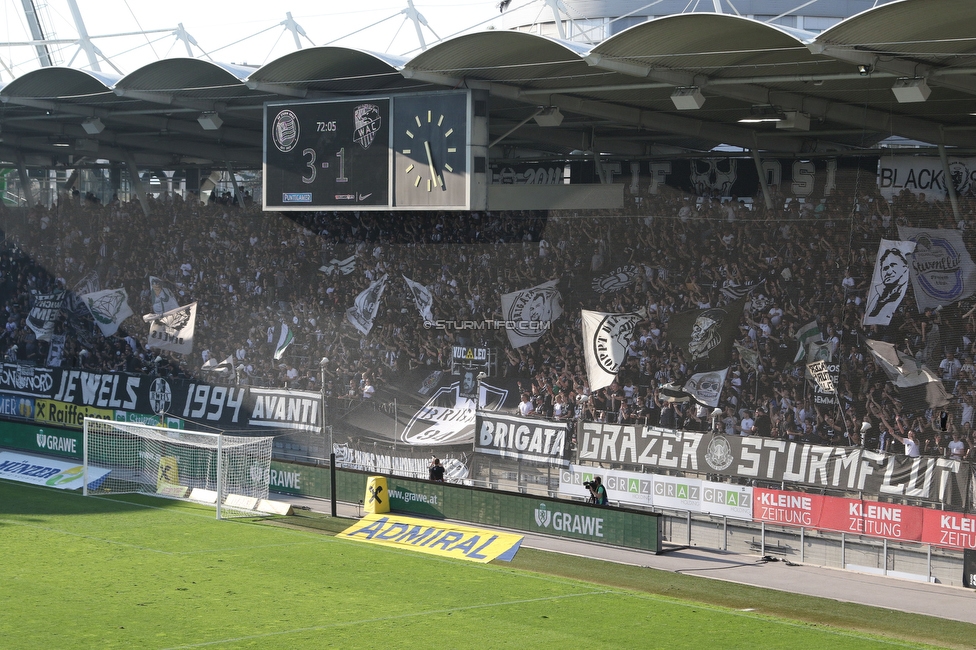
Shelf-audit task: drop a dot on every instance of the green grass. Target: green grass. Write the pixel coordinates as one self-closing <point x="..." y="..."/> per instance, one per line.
<point x="137" y="572"/>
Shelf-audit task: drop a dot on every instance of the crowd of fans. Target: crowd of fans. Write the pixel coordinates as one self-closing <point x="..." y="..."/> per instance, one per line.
<point x="249" y="271"/>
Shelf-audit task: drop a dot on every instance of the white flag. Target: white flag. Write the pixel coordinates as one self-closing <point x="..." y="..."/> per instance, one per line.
<point x="162" y="296"/>
<point x="530" y="312"/>
<point x="889" y="282"/>
<point x="344" y="267"/>
<point x="109" y="308"/>
<point x="818" y="370"/>
<point x="367" y="303"/>
<point x="173" y="330"/>
<point x="605" y="341"/>
<point x="706" y="387"/>
<point x="422" y="298"/>
<point x="942" y="270"/>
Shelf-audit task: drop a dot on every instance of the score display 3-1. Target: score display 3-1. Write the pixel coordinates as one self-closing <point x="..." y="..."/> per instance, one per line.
<point x="328" y="154"/>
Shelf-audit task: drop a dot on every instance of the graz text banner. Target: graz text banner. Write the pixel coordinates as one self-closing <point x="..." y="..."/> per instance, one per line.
<point x="435" y="537"/>
<point x="843" y="468"/>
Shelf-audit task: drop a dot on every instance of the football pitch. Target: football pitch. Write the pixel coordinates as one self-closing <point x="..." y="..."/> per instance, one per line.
<point x="137" y="572"/>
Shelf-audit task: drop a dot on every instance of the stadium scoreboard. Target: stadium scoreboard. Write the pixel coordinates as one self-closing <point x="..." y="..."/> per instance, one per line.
<point x="403" y="152"/>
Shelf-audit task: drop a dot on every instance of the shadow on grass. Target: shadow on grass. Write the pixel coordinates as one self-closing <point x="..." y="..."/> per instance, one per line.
<point x="38" y="500"/>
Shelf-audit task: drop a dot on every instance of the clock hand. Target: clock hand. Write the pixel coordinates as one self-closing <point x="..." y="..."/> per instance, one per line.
<point x="430" y="161"/>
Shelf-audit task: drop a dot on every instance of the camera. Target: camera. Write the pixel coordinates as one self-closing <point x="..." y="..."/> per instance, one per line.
<point x="589" y="485"/>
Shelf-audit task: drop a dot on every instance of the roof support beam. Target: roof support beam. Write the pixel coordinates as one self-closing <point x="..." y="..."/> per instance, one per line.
<point x="859" y="116"/>
<point x="651" y="120"/>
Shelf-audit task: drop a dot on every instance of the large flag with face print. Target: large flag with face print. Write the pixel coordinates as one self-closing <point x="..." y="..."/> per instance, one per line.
<point x="889" y="282"/>
<point x="367" y="303"/>
<point x="422" y="298"/>
<point x="605" y="341"/>
<point x="529" y="313"/>
<point x="942" y="271"/>
<point x="109" y="308"/>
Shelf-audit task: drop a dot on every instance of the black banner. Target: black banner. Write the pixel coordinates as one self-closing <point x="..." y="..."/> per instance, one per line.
<point x="524" y="439"/>
<point x="766" y="459"/>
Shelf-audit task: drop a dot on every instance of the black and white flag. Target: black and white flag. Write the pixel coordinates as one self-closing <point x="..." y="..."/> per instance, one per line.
<point x="162" y="295"/>
<point x="889" y="282"/>
<point x="44" y="313"/>
<point x="529" y="313"/>
<point x="707" y="335"/>
<point x="819" y="372"/>
<point x="173" y="330"/>
<point x="918" y="387"/>
<point x="734" y="292"/>
<point x="367" y="303"/>
<point x="422" y="297"/>
<point x="605" y="341"/>
<point x="706" y="387"/>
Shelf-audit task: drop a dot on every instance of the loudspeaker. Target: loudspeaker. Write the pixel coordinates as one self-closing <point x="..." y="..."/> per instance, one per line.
<point x="911" y="90"/>
<point x="687" y="99"/>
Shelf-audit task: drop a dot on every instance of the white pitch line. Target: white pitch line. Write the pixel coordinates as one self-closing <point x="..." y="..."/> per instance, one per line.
<point x="387" y="618"/>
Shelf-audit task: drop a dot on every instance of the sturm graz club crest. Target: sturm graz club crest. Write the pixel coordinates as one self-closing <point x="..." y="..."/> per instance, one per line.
<point x="718" y="454"/>
<point x="542" y="516"/>
<point x="160" y="396"/>
<point x="285" y="131"/>
<point x="621" y="278"/>
<point x="366" y="121"/>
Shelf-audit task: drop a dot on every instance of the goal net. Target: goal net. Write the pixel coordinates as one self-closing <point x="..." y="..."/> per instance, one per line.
<point x="231" y="472"/>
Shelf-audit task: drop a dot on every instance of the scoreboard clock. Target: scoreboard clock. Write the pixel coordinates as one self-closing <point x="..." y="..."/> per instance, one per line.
<point x="418" y="151"/>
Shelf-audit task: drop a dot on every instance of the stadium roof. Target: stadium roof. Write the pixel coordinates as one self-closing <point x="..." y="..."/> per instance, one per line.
<point x="831" y="92"/>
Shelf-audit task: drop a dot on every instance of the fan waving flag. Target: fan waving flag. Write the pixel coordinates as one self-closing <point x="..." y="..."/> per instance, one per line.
<point x="806" y="334"/>
<point x="422" y="298"/>
<point x="889" y="282"/>
<point x="282" y="337"/>
<point x="163" y="299"/>
<point x="605" y="341"/>
<point x="942" y="269"/>
<point x="109" y="308"/>
<point x="530" y="312"/>
<point x="707" y="335"/>
<point x="173" y="330"/>
<point x="918" y="387"/>
<point x="367" y="303"/>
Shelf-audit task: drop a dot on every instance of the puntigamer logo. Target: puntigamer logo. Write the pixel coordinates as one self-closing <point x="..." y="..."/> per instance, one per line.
<point x="564" y="522"/>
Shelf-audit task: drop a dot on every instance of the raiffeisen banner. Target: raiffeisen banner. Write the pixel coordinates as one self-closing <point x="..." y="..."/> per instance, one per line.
<point x="36" y="470"/>
<point x="435" y="537"/>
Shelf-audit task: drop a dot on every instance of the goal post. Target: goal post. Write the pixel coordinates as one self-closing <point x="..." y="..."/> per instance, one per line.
<point x="230" y="472"/>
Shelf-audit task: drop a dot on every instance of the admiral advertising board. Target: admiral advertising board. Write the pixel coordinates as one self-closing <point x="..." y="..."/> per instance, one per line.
<point x="842" y="468"/>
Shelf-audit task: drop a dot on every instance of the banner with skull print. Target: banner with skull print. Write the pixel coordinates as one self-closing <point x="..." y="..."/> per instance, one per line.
<point x="529" y="313"/>
<point x="707" y="337"/>
<point x="605" y="341"/>
<point x="367" y="303"/>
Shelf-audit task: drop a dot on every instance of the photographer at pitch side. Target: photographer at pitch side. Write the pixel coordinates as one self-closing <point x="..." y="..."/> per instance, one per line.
<point x="598" y="493"/>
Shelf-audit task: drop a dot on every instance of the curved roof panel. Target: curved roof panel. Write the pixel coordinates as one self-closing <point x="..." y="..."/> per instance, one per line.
<point x="333" y="69"/>
<point x="58" y="82"/>
<point x="506" y="56"/>
<point x="186" y="76"/>
<point x="713" y="44"/>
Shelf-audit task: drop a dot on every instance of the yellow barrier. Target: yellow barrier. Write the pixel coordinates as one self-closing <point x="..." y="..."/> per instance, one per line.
<point x="377" y="499"/>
